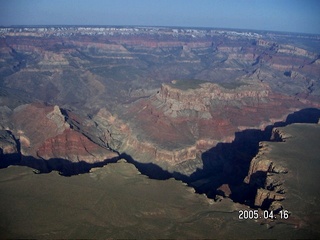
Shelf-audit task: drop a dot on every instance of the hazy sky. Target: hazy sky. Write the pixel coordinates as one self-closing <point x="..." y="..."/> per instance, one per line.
<point x="280" y="15"/>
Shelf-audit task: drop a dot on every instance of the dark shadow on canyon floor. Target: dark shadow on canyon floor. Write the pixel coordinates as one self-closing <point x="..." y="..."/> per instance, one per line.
<point x="149" y="169"/>
<point x="63" y="166"/>
<point x="226" y="163"/>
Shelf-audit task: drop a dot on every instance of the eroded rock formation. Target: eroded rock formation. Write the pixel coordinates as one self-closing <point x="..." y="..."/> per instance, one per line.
<point x="161" y="95"/>
<point x="8" y="144"/>
<point x="265" y="175"/>
<point x="42" y="132"/>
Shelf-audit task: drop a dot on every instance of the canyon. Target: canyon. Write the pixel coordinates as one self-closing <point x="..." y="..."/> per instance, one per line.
<point x="196" y="105"/>
<point x="116" y="200"/>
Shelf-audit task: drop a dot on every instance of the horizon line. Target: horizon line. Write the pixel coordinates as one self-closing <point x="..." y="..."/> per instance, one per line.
<point x="148" y="26"/>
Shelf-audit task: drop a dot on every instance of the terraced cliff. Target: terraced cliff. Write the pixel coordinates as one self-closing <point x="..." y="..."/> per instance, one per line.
<point x="166" y="98"/>
<point x="284" y="173"/>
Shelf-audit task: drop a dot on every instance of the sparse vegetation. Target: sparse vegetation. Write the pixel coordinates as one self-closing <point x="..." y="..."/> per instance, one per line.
<point x="185" y="84"/>
<point x="232" y="85"/>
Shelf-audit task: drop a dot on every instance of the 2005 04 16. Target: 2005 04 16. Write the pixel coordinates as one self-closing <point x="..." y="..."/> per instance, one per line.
<point x="255" y="214"/>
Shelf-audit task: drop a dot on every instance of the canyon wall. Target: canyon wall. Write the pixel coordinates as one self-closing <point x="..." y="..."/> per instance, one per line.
<point x="162" y="95"/>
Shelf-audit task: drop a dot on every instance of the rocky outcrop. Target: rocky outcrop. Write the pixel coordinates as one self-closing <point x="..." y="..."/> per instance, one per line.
<point x="264" y="195"/>
<point x="203" y="97"/>
<point x="282" y="175"/>
<point x="279" y="135"/>
<point x="75" y="147"/>
<point x="293" y="50"/>
<point x="111" y="130"/>
<point x="57" y="117"/>
<point x="165" y="158"/>
<point x="262" y="165"/>
<point x="32" y="133"/>
<point x="263" y="175"/>
<point x="8" y="145"/>
<point x="120" y="137"/>
<point x="188" y="117"/>
<point x="43" y="133"/>
<point x="53" y="59"/>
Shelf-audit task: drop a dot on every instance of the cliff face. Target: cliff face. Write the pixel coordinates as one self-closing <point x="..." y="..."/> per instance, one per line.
<point x="185" y="119"/>
<point x="49" y="136"/>
<point x="266" y="175"/>
<point x="269" y="188"/>
<point x="75" y="147"/>
<point x="119" y="136"/>
<point x="206" y="96"/>
<point x="283" y="173"/>
<point x="7" y="143"/>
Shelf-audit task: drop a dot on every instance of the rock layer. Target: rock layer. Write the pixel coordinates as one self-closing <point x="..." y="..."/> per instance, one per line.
<point x="49" y="136"/>
<point x="161" y="95"/>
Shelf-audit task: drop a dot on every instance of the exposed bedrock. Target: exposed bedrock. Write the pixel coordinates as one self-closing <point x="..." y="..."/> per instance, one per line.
<point x="236" y="169"/>
<point x="175" y="126"/>
<point x="145" y="130"/>
<point x="226" y="164"/>
<point x="263" y="179"/>
<point x="275" y="171"/>
<point x="10" y="152"/>
<point x="203" y="97"/>
<point x="8" y="144"/>
<point x="40" y="132"/>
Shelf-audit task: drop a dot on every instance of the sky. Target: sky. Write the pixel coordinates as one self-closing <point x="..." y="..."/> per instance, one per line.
<point x="278" y="15"/>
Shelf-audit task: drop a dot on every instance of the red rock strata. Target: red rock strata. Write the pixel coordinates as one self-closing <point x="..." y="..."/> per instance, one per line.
<point x="44" y="133"/>
<point x="73" y="146"/>
<point x="176" y="125"/>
